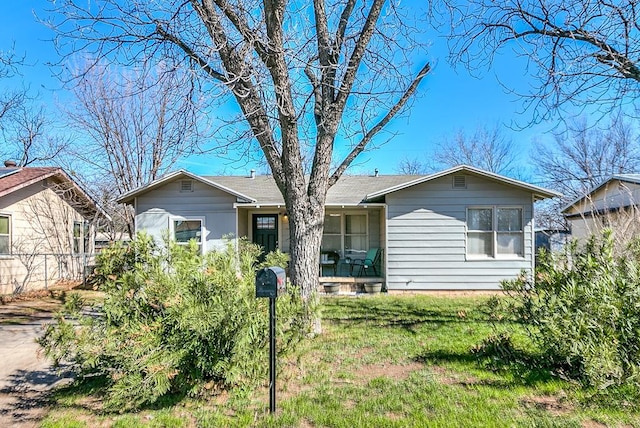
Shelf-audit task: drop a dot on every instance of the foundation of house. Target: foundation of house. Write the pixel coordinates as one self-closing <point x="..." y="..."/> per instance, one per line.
<point x="348" y="284"/>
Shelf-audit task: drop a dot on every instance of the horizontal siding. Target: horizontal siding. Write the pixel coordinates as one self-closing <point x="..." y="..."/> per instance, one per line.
<point x="155" y="209"/>
<point x="426" y="236"/>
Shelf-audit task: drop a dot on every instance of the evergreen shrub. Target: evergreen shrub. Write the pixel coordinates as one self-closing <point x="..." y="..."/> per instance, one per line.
<point x="582" y="309"/>
<point x="173" y="322"/>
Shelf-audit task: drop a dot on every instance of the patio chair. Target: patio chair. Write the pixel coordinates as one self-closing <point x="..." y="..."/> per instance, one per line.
<point x="329" y="259"/>
<point x="370" y="261"/>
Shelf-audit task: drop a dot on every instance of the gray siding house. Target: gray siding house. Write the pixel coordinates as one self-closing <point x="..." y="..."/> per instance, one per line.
<point x="459" y="229"/>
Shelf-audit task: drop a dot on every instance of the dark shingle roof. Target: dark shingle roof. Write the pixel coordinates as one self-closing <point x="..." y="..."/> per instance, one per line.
<point x="349" y="190"/>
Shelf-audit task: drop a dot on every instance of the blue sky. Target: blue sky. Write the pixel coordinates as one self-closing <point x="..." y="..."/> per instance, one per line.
<point x="450" y="99"/>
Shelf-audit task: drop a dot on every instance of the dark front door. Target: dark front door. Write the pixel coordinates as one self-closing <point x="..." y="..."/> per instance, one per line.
<point x="265" y="231"/>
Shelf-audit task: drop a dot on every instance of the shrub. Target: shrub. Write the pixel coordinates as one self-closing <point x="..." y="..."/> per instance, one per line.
<point x="174" y="321"/>
<point x="582" y="308"/>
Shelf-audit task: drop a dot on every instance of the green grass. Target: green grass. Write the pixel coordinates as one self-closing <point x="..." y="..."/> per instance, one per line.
<point x="381" y="361"/>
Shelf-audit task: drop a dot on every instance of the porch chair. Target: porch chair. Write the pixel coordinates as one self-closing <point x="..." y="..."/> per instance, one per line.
<point x="329" y="259"/>
<point x="370" y="261"/>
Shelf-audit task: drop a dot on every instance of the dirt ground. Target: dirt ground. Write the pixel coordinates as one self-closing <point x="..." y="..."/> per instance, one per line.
<point x="25" y="376"/>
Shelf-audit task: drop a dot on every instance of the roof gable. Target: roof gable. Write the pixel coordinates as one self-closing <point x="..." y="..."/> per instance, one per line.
<point x="582" y="202"/>
<point x="127" y="198"/>
<point x="23" y="177"/>
<point x="538" y="192"/>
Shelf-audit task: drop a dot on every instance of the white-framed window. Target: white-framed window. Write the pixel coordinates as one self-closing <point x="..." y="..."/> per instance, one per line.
<point x="77" y="237"/>
<point x="184" y="230"/>
<point x="5" y="234"/>
<point x="495" y="232"/>
<point x="347" y="233"/>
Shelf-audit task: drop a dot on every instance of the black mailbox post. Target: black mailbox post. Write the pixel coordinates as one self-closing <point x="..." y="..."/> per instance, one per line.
<point x="271" y="282"/>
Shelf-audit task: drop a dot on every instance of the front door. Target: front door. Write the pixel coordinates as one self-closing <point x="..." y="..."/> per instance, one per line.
<point x="265" y="231"/>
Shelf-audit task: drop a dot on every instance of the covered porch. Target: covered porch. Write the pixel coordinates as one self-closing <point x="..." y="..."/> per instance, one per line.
<point x="353" y="240"/>
<point x="352" y="250"/>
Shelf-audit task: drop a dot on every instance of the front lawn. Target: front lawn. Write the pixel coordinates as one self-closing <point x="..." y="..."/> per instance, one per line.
<point x="381" y="361"/>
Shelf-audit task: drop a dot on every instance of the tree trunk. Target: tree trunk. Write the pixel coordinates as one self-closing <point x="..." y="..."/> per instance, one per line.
<point x="305" y="233"/>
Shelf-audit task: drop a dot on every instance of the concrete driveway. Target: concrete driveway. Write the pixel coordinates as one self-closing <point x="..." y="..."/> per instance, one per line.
<point x="25" y="376"/>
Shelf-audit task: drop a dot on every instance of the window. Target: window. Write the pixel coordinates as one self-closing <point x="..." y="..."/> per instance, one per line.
<point x="346" y="234"/>
<point x="355" y="235"/>
<point x="332" y="232"/>
<point x="186" y="186"/>
<point x="186" y="230"/>
<point x="495" y="232"/>
<point x="5" y="234"/>
<point x="77" y="237"/>
<point x="266" y="223"/>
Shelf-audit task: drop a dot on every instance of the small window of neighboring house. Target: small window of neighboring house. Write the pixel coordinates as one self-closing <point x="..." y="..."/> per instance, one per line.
<point x="78" y="239"/>
<point x="5" y="234"/>
<point x="495" y="232"/>
<point x="186" y="230"/>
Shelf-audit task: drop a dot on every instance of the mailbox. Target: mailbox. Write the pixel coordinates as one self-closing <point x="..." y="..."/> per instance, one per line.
<point x="270" y="282"/>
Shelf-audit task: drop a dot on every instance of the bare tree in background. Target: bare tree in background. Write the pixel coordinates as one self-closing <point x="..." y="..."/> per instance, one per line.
<point x="134" y="127"/>
<point x="412" y="166"/>
<point x="585" y="155"/>
<point x="27" y="132"/>
<point x="581" y="158"/>
<point x="583" y="53"/>
<point x="487" y="148"/>
<point x="30" y="135"/>
<point x="302" y="74"/>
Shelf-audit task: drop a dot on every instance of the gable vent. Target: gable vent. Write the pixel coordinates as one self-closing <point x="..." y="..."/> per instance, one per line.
<point x="186" y="186"/>
<point x="459" y="182"/>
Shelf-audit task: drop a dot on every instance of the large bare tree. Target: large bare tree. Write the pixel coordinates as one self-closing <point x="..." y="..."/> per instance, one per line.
<point x="583" y="53"/>
<point x="304" y="75"/>
<point x="133" y="127"/>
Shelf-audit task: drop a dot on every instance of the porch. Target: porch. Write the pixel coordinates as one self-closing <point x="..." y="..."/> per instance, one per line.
<point x="349" y="284"/>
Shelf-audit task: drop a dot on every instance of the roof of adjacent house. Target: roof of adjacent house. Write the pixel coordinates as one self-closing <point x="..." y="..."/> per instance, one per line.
<point x="348" y="190"/>
<point x="627" y="178"/>
<point x="16" y="178"/>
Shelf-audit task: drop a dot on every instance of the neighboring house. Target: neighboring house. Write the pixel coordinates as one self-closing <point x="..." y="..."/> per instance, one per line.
<point x="46" y="227"/>
<point x="552" y="240"/>
<point x="463" y="228"/>
<point x="612" y="204"/>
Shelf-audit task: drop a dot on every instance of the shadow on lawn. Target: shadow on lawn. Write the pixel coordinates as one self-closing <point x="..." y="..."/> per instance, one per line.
<point x="401" y="312"/>
<point x="519" y="366"/>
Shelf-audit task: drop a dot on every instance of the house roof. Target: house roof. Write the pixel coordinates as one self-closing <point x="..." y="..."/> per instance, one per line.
<point x="21" y="177"/>
<point x="349" y="190"/>
<point x="128" y="197"/>
<point x="627" y="178"/>
<point x="538" y="192"/>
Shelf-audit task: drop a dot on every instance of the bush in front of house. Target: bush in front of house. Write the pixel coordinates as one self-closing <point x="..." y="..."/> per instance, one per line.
<point x="582" y="308"/>
<point x="174" y="322"/>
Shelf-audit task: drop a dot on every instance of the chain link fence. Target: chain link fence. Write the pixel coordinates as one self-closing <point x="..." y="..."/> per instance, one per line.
<point x="20" y="273"/>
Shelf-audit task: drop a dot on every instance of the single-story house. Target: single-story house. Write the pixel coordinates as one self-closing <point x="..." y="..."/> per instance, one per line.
<point x="46" y="227"/>
<point x="612" y="204"/>
<point x="463" y="228"/>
